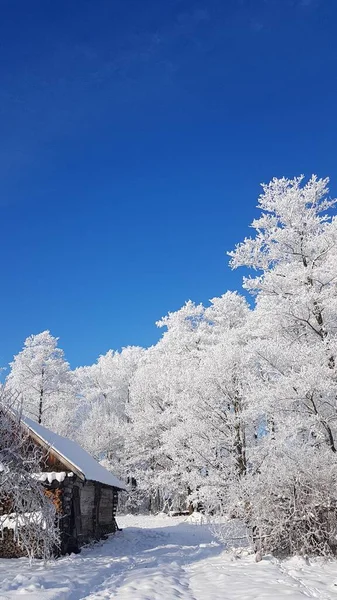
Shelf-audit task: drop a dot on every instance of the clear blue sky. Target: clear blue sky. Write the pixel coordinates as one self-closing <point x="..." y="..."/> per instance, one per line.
<point x="133" y="138"/>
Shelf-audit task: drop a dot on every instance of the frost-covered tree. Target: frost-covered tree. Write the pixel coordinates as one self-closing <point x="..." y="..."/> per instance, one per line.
<point x="42" y="376"/>
<point x="25" y="509"/>
<point x="104" y="394"/>
<point x="296" y="306"/>
<point x="156" y="404"/>
<point x="207" y="436"/>
<point x="295" y="344"/>
<point x="188" y="405"/>
<point x="214" y="421"/>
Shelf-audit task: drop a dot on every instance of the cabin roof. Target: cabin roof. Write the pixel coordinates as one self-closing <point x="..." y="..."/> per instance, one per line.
<point x="72" y="455"/>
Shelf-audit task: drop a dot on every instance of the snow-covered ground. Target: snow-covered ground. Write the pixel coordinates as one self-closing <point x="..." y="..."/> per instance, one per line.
<point x="163" y="558"/>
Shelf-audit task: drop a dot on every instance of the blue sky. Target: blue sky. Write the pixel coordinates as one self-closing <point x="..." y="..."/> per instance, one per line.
<point x="134" y="136"/>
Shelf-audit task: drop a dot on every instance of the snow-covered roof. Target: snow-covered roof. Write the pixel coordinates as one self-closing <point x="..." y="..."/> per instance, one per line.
<point x="74" y="455"/>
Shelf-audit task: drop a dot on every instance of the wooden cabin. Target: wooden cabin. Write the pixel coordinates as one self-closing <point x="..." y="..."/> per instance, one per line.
<point x="84" y="493"/>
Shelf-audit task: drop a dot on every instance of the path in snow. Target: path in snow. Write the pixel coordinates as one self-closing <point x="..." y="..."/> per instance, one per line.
<point x="162" y="558"/>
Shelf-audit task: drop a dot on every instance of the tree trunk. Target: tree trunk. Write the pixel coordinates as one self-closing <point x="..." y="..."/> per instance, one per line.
<point x="41" y="401"/>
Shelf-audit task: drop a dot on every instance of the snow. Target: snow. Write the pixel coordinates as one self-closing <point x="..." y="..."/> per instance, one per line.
<point x="74" y="454"/>
<point x="51" y="476"/>
<point x="15" y="520"/>
<point x="166" y="558"/>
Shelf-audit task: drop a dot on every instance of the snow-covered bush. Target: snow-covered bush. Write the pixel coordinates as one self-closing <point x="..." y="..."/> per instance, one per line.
<point x="290" y="504"/>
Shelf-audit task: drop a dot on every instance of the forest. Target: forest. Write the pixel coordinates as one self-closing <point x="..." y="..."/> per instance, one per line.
<point x="234" y="411"/>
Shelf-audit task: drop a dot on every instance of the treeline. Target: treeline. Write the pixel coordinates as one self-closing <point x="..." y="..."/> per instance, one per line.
<point x="234" y="410"/>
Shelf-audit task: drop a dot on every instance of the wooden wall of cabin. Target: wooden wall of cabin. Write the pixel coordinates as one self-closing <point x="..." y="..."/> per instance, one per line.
<point x="97" y="508"/>
<point x="88" y="511"/>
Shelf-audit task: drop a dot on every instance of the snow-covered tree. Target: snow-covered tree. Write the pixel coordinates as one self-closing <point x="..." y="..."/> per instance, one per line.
<point x="216" y="414"/>
<point x="42" y="376"/>
<point x="188" y="404"/>
<point x="295" y="345"/>
<point x="104" y="394"/>
<point x="156" y="403"/>
<point x="206" y="436"/>
<point x="25" y="509"/>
